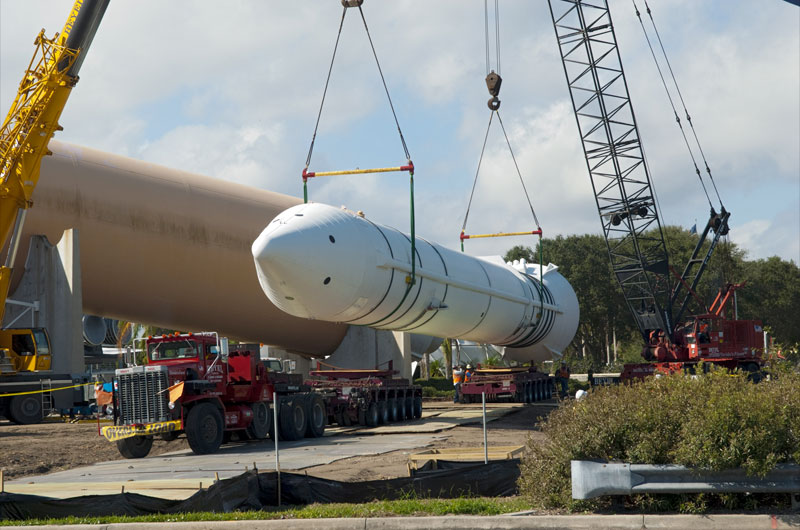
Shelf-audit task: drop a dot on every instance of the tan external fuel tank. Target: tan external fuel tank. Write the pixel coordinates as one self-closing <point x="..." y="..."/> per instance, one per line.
<point x="166" y="247"/>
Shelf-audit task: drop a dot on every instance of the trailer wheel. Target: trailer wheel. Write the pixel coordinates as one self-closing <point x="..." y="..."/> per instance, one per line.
<point x="401" y="409"/>
<point x="372" y="414"/>
<point x="25" y="410"/>
<point x="317" y="416"/>
<point x="549" y="389"/>
<point x="262" y="418"/>
<point x="293" y="418"/>
<point x="383" y="412"/>
<point x="394" y="411"/>
<point x="204" y="428"/>
<point x="409" y="407"/>
<point x="417" y="407"/>
<point x="136" y="447"/>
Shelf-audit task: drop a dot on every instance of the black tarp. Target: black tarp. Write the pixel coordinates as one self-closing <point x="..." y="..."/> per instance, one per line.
<point x="254" y="491"/>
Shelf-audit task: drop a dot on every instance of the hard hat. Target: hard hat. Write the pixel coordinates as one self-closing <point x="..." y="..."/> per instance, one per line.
<point x="469" y="367"/>
<point x="580" y="394"/>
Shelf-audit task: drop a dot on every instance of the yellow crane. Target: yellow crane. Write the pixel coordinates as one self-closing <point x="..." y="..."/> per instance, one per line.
<point x="25" y="133"/>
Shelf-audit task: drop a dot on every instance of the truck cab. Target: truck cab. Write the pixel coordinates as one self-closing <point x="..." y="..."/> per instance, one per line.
<point x="24" y="350"/>
<point x="199" y="385"/>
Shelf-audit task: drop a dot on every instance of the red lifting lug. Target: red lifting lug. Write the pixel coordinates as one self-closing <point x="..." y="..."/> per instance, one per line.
<point x="307" y="174"/>
<point x="409" y="167"/>
<point x="462" y="237"/>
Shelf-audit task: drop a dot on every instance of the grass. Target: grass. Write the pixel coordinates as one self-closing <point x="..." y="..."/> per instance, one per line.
<point x="397" y="508"/>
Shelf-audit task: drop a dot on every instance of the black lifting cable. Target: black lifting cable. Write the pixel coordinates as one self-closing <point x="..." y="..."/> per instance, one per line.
<point x="519" y="173"/>
<point x="328" y="79"/>
<point x="493" y="83"/>
<point x="477" y="172"/>
<point x="325" y="91"/>
<point x="685" y="110"/>
<point x="496" y="33"/>
<point x="672" y="104"/>
<point x="385" y="88"/>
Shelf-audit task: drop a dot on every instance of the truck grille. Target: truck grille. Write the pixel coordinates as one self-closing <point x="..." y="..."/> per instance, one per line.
<point x="141" y="394"/>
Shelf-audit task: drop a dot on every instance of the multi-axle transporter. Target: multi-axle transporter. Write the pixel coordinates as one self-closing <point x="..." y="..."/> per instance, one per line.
<point x="517" y="385"/>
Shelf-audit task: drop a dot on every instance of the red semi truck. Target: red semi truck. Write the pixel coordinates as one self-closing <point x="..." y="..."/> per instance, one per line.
<point x="197" y="385"/>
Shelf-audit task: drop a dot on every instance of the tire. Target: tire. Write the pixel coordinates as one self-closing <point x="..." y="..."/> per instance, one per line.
<point x="262" y="419"/>
<point x="293" y="418"/>
<point x="409" y="407"/>
<point x="519" y="395"/>
<point x="417" y="407"/>
<point x="204" y="428"/>
<point x="372" y="415"/>
<point x="401" y="409"/>
<point x="383" y="412"/>
<point x="136" y="447"/>
<point x="394" y="411"/>
<point x="317" y="416"/>
<point x="25" y="410"/>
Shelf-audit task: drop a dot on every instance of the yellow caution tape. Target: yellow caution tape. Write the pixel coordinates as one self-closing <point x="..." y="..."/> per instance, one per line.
<point x="45" y="390"/>
<point x="119" y="432"/>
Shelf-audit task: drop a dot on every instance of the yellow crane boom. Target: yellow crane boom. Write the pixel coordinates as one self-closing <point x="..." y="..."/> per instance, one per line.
<point x="33" y="118"/>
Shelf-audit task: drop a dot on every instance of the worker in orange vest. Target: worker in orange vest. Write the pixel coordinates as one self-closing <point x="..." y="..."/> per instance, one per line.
<point x="468" y="374"/>
<point x="458" y="378"/>
<point x="562" y="377"/>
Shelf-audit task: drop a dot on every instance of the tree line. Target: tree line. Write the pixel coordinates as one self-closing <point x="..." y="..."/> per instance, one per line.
<point x="607" y="331"/>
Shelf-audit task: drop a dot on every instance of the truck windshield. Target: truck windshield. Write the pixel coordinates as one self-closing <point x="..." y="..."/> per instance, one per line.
<point x="274" y="365"/>
<point x="42" y="344"/>
<point x="179" y="349"/>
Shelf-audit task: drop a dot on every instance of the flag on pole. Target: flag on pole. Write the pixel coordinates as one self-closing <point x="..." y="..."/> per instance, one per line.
<point x="693" y="229"/>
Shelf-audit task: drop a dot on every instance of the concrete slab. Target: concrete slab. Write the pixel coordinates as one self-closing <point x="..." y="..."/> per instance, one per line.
<point x="178" y="475"/>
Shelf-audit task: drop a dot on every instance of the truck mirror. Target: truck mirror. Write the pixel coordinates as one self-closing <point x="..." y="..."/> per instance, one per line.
<point x="223" y="344"/>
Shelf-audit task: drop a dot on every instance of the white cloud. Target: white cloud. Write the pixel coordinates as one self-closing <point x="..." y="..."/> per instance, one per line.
<point x="232" y="90"/>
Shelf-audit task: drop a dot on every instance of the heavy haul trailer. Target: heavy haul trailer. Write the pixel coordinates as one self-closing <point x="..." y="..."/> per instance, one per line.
<point x="193" y="384"/>
<point x="517" y="385"/>
<point x="367" y="397"/>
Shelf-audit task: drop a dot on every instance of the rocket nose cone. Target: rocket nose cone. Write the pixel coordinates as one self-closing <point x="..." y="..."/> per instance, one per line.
<point x="303" y="268"/>
<point x="282" y="262"/>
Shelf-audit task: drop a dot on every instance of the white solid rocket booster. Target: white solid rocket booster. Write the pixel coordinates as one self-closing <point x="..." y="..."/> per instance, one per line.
<point x="319" y="262"/>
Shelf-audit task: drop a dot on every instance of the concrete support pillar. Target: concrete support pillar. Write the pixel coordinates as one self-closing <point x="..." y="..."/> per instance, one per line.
<point x="367" y="348"/>
<point x="403" y="341"/>
<point x="53" y="278"/>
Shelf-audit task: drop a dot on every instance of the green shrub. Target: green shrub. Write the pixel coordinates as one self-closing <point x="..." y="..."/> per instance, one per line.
<point x="573" y="385"/>
<point x="438" y="383"/>
<point x="718" y="421"/>
<point x="430" y="392"/>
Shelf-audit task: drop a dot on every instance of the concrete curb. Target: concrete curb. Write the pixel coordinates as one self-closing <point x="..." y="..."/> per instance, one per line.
<point x="455" y="522"/>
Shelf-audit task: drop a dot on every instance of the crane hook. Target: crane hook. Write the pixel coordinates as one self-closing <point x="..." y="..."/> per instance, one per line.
<point x="493" y="83"/>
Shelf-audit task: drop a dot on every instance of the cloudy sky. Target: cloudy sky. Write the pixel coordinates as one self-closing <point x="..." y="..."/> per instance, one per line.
<point x="231" y="90"/>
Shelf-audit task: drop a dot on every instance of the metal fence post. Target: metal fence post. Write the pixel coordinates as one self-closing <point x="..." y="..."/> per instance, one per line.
<point x="275" y="432"/>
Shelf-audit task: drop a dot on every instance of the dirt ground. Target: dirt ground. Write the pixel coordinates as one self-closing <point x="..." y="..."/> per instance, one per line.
<point x="38" y="449"/>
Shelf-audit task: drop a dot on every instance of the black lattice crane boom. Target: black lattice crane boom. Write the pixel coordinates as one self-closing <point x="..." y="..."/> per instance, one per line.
<point x="656" y="294"/>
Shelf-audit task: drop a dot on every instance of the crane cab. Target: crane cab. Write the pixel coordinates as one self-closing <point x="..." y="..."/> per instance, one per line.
<point x="26" y="349"/>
